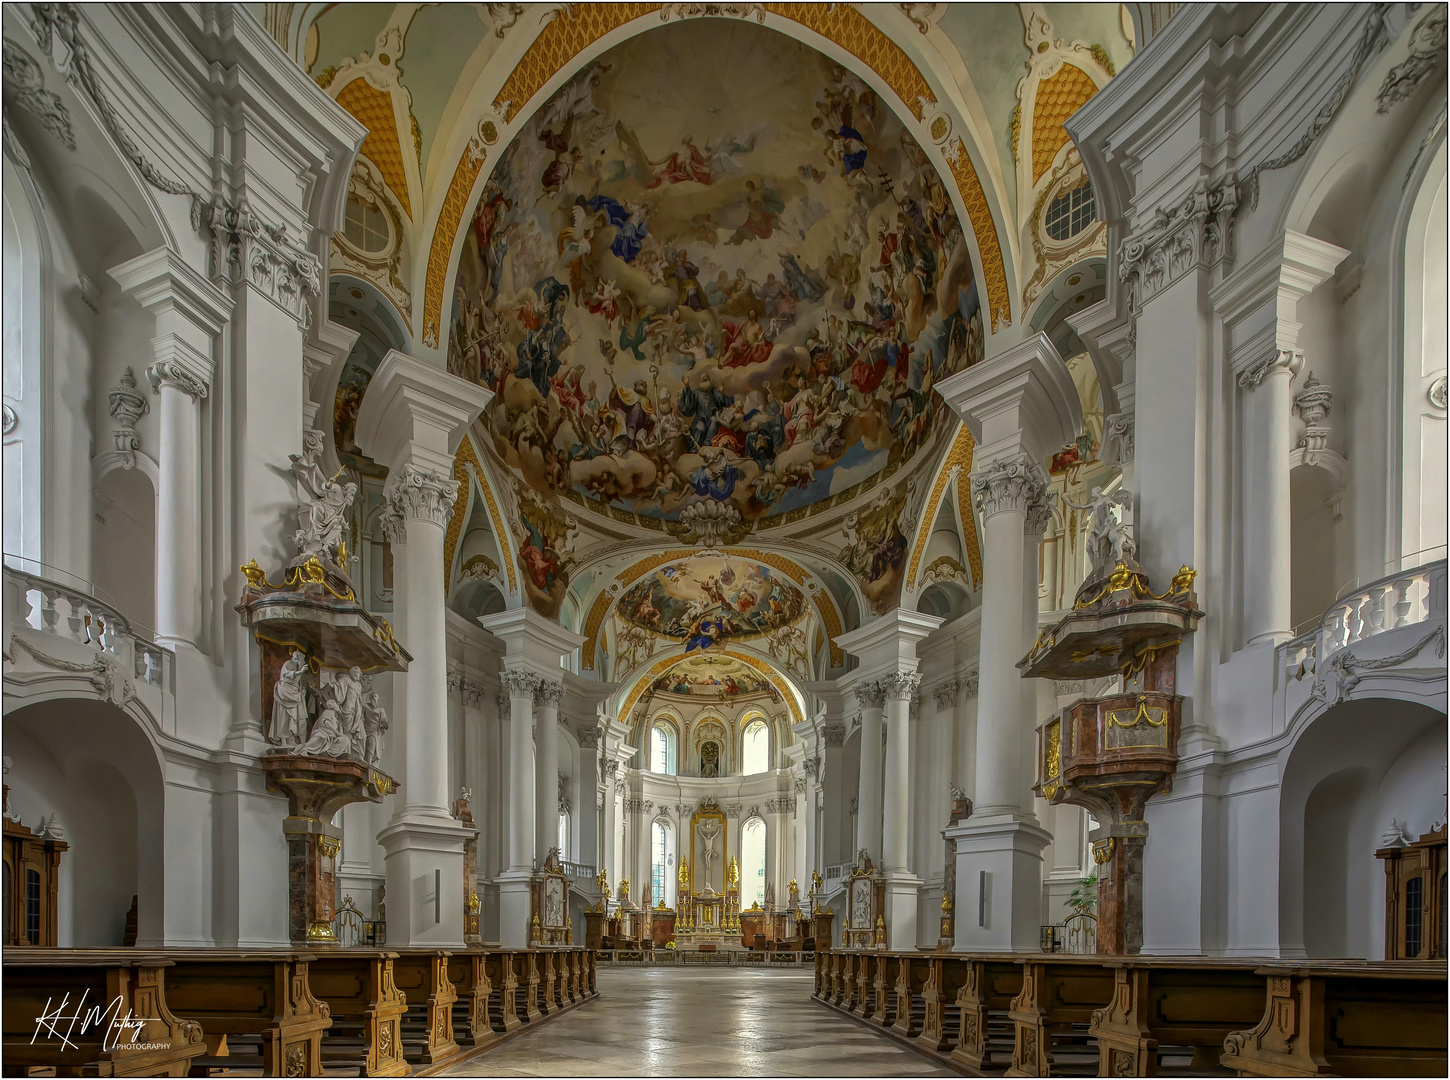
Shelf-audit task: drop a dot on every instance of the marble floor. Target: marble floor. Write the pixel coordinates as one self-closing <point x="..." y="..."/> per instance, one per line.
<point x="701" y="1022"/>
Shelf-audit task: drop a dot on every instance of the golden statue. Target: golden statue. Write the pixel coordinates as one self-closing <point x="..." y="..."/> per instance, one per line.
<point x="623" y="889"/>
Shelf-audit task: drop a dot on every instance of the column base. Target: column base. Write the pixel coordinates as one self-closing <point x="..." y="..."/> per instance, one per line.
<point x="902" y="898"/>
<point x="1002" y="911"/>
<point x="515" y="907"/>
<point x="422" y="908"/>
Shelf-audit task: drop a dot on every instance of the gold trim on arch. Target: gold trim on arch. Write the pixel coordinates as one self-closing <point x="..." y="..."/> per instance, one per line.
<point x="465" y="457"/>
<point x="959" y="454"/>
<point x="662" y="665"/>
<point x="580" y="25"/>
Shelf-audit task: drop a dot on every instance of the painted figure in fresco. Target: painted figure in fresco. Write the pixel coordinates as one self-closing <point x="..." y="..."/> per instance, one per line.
<point x="745" y="342"/>
<point x="289" y="702"/>
<point x="703" y="407"/>
<point x="630" y="223"/>
<point x="686" y="275"/>
<point x="763" y="209"/>
<point x="715" y="479"/>
<point x="686" y="163"/>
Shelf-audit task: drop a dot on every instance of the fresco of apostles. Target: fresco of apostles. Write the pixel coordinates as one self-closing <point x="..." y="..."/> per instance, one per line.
<point x="713" y="267"/>
<point x="727" y="683"/>
<point x="706" y="600"/>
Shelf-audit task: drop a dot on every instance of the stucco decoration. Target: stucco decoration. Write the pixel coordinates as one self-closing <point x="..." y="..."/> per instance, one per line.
<point x="691" y="313"/>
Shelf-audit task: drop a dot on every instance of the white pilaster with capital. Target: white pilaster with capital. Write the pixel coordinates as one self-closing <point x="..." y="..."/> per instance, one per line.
<point x="1259" y="303"/>
<point x="871" y="699"/>
<point x="1020" y="406"/>
<point x="412" y="420"/>
<point x="190" y="312"/>
<point x="546" y="768"/>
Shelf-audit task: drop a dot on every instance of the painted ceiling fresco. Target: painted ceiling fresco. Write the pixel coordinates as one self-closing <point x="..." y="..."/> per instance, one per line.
<point x="712" y="268"/>
<point x="709" y="599"/>
<point x="713" y="677"/>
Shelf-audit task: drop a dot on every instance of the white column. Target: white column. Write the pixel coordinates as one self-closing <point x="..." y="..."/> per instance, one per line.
<point x="190" y="312"/>
<point x="546" y="768"/>
<point x="899" y="690"/>
<point x="869" y="825"/>
<point x="522" y="687"/>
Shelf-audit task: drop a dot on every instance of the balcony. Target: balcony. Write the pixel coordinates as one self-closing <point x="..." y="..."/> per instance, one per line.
<point x="64" y="641"/>
<point x="1389" y="631"/>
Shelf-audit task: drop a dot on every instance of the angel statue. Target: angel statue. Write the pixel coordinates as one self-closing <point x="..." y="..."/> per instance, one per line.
<point x="322" y="505"/>
<point x="1108" y="540"/>
<point x="289" y="702"/>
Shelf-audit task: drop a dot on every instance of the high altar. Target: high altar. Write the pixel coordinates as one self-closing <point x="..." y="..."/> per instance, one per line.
<point x="709" y="902"/>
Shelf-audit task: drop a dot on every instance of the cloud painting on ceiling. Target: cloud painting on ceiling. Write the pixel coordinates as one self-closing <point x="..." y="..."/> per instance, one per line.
<point x="710" y="599"/>
<point x="713" y="268"/>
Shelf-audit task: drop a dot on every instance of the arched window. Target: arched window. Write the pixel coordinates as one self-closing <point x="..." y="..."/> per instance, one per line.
<point x="752" y="864"/>
<point x="662" y="748"/>
<point x="23" y="413"/>
<point x="755" y="749"/>
<point x="1423" y="435"/>
<point x="564" y="834"/>
<point x="662" y="863"/>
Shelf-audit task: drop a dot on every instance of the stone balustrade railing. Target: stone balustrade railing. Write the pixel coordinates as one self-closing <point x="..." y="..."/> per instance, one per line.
<point x="579" y="870"/>
<point x="1411" y="604"/>
<point x="57" y="612"/>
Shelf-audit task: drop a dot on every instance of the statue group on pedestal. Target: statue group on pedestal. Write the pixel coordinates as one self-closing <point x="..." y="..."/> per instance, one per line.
<point x="350" y="721"/>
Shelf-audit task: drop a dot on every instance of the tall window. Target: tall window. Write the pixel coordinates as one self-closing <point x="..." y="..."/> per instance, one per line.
<point x="662" y="749"/>
<point x="662" y="862"/>
<point x="756" y="750"/>
<point x="564" y="834"/>
<point x="752" y="864"/>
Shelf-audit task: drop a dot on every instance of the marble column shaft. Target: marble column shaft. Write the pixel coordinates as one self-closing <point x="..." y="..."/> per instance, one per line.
<point x="870" y="696"/>
<point x="1268" y="548"/>
<point x="899" y="689"/>
<point x="521" y="687"/>
<point x="546" y="768"/>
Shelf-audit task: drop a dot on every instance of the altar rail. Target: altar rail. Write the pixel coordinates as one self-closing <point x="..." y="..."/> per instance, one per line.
<point x="1047" y="1014"/>
<point x="278" y="1012"/>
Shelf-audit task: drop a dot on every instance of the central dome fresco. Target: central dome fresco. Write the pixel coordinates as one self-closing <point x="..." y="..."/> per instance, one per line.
<point x="712" y="277"/>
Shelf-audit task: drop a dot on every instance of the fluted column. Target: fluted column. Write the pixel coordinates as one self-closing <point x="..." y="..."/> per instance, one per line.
<point x="546" y="768"/>
<point x="1005" y="492"/>
<point x="522" y="687"/>
<point x="898" y="690"/>
<point x="870" y="696"/>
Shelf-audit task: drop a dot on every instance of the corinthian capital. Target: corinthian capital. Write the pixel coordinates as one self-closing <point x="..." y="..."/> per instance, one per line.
<point x="1009" y="484"/>
<point x="519" y="684"/>
<point x="900" y="687"/>
<point x="171" y="373"/>
<point x="871" y="695"/>
<point x="1290" y="360"/>
<point x="1039" y="515"/>
<point x="419" y="495"/>
<point x="549" y="693"/>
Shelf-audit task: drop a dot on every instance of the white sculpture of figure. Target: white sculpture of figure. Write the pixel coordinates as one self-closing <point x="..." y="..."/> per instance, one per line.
<point x="322" y="505"/>
<point x="339" y="730"/>
<point x="1108" y="539"/>
<point x="289" y="702"/>
<point x="861" y="904"/>
<point x="709" y="831"/>
<point x="375" y="724"/>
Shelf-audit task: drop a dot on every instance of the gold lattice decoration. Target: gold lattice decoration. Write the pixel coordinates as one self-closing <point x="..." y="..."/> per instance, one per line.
<point x="1057" y="99"/>
<point x="449" y="215"/>
<point x="373" y="108"/>
<point x="464" y="458"/>
<point x="959" y="454"/>
<point x="968" y="514"/>
<point x="980" y="215"/>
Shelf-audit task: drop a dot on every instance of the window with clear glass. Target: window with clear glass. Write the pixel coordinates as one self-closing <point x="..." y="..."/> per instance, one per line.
<point x="563" y="834"/>
<point x="662" y="749"/>
<point x="1070" y="213"/>
<point x="661" y="863"/>
<point x="1414" y="916"/>
<point x="755" y="755"/>
<point x="752" y="864"/>
<point x="364" y="226"/>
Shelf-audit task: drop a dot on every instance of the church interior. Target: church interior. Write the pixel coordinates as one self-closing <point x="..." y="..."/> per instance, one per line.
<point x="609" y="539"/>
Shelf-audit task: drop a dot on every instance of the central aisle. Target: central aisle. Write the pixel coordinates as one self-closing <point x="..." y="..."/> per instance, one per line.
<point x="701" y="1022"/>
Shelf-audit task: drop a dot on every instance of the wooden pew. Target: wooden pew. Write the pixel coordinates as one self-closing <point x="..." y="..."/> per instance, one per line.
<point x="422" y="974"/>
<point x="987" y="985"/>
<point x="528" y="992"/>
<point x="548" y="981"/>
<point x="114" y="982"/>
<point x="864" y="984"/>
<point x="843" y="980"/>
<point x="944" y="977"/>
<point x="1178" y="1001"/>
<point x="263" y="995"/>
<point x="367" y="1010"/>
<point x="1346" y="1018"/>
<point x="591" y="968"/>
<point x="912" y="970"/>
<point x="1057" y="992"/>
<point x="502" y="1012"/>
<point x="468" y="971"/>
<point x="883" y="987"/>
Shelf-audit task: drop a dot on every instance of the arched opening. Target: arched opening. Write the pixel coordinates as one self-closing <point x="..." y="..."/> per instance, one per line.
<point x="123" y="545"/>
<point x="662" y="862"/>
<point x="563" y="833"/>
<point x="752" y="864"/>
<point x="86" y="767"/>
<point x="1360" y="769"/>
<point x="1423" y="450"/>
<point x="755" y="748"/>
<point x="22" y="378"/>
<point x="663" y="742"/>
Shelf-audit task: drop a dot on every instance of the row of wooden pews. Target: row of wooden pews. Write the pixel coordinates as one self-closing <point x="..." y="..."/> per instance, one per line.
<point x="275" y="1012"/>
<point x="1047" y="1014"/>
